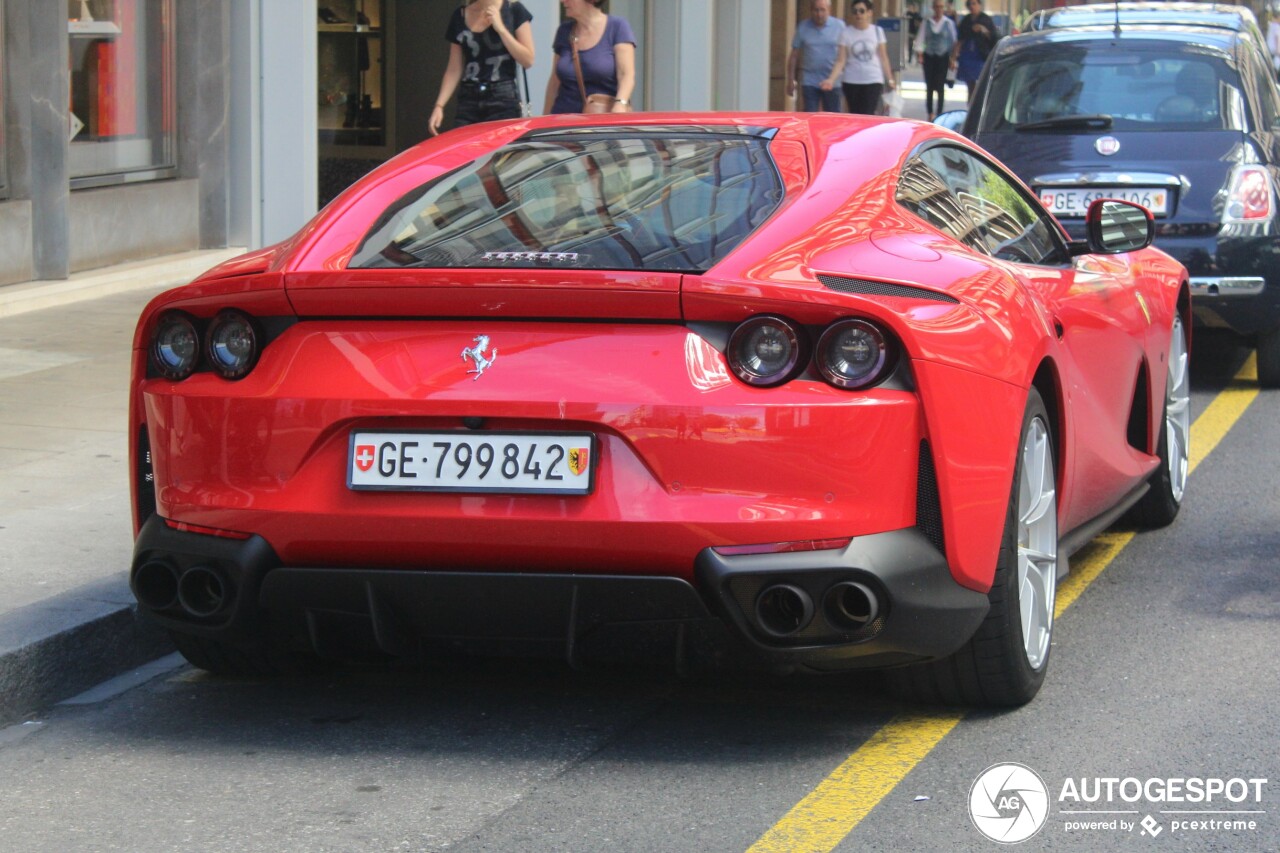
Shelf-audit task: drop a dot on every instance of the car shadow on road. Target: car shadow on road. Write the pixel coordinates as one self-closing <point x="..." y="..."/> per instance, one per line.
<point x="496" y="708"/>
<point x="1216" y="357"/>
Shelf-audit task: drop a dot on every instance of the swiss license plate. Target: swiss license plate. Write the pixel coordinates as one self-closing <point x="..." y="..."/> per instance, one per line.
<point x="1075" y="202"/>
<point x="515" y="462"/>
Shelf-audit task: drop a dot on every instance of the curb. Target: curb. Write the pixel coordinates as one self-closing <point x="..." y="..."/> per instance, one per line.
<point x="63" y="645"/>
<point x="170" y="270"/>
<point x="60" y="646"/>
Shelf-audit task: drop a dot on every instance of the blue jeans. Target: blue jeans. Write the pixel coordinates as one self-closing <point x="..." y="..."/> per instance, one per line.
<point x="815" y="100"/>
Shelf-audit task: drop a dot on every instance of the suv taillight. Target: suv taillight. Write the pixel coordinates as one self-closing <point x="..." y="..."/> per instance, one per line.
<point x="1250" y="196"/>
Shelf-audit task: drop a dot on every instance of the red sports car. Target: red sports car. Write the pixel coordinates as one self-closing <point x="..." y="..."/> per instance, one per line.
<point x="823" y="391"/>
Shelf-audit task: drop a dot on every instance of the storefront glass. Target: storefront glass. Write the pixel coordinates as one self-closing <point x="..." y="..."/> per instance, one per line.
<point x="352" y="73"/>
<point x="122" y="90"/>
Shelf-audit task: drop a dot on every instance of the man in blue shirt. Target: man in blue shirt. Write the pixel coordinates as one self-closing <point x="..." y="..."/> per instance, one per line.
<point x="813" y="54"/>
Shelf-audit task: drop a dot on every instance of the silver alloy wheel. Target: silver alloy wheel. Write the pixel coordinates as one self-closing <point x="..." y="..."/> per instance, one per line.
<point x="1177" y="411"/>
<point x="1037" y="542"/>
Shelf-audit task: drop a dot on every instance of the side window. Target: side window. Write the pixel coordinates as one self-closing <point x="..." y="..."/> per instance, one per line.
<point x="1009" y="225"/>
<point x="923" y="192"/>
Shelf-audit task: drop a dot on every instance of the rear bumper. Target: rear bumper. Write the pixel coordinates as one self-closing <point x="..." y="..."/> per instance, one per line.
<point x="1235" y="281"/>
<point x="921" y="612"/>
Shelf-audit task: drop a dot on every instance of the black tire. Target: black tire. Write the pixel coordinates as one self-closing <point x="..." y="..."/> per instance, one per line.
<point x="1160" y="505"/>
<point x="993" y="668"/>
<point x="1269" y="359"/>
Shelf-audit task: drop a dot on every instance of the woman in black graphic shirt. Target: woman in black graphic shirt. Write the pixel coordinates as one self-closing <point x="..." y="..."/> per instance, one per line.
<point x="486" y="40"/>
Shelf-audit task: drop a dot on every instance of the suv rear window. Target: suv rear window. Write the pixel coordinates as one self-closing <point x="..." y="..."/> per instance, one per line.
<point x="639" y="202"/>
<point x="1139" y="89"/>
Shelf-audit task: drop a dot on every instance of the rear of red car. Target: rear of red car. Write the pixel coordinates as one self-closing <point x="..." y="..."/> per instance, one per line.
<point x="487" y="416"/>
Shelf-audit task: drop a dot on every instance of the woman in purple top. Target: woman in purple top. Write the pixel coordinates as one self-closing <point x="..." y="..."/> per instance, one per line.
<point x="606" y="50"/>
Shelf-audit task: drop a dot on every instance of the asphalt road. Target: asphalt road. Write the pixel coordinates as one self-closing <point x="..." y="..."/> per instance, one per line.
<point x="1163" y="668"/>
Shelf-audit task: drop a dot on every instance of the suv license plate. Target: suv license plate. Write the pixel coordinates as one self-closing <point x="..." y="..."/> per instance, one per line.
<point x="517" y="462"/>
<point x="1075" y="202"/>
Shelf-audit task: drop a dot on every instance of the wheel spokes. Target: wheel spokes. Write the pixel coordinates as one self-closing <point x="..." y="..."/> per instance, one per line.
<point x="1037" y="543"/>
<point x="1177" y="421"/>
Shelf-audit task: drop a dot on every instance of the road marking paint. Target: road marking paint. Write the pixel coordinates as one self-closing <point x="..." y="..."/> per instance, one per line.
<point x="823" y="818"/>
<point x="830" y="811"/>
<point x="1223" y="412"/>
<point x="1087" y="565"/>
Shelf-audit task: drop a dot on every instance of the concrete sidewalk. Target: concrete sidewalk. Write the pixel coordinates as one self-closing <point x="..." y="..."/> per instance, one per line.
<point x="66" y="613"/>
<point x="66" y="618"/>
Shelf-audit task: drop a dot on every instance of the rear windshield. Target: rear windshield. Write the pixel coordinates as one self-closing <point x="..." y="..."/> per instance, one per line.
<point x="1167" y="89"/>
<point x="615" y="203"/>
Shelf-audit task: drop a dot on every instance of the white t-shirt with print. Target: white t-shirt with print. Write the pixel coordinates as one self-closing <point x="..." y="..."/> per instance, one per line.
<point x="862" y="57"/>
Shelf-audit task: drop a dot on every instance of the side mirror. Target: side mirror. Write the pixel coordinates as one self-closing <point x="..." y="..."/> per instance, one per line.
<point x="951" y="119"/>
<point x="1115" y="226"/>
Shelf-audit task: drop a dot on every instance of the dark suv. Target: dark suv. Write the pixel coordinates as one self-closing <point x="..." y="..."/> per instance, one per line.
<point x="1182" y="117"/>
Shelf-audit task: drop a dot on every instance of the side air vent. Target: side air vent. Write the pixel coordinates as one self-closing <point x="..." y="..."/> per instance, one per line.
<point x="928" y="504"/>
<point x="880" y="288"/>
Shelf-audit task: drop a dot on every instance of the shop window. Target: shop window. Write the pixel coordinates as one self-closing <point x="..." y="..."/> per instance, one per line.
<point x="122" y="90"/>
<point x="351" y="55"/>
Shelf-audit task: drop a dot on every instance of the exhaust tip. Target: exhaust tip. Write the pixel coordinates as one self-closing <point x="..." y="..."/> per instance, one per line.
<point x="850" y="606"/>
<point x="783" y="609"/>
<point x="203" y="592"/>
<point x="156" y="584"/>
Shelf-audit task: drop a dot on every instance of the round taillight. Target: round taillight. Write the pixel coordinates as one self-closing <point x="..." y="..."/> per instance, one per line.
<point x="852" y="354"/>
<point x="232" y="345"/>
<point x="175" y="347"/>
<point x="765" y="351"/>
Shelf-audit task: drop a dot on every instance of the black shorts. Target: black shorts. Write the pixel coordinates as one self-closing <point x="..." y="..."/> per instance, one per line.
<point x="486" y="102"/>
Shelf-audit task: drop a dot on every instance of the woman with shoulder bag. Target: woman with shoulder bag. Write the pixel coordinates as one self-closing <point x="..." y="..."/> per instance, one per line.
<point x="487" y="38"/>
<point x="595" y="61"/>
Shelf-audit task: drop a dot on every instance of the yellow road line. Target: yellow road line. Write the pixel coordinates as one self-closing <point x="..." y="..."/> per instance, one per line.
<point x="1087" y="565"/>
<point x="1226" y="408"/>
<point x="830" y="811"/>
<point x="822" y="819"/>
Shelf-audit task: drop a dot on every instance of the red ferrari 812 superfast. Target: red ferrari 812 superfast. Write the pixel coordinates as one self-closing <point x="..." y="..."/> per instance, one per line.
<point x="818" y="391"/>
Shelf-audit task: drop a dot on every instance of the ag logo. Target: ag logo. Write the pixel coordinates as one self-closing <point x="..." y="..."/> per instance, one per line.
<point x="1009" y="803"/>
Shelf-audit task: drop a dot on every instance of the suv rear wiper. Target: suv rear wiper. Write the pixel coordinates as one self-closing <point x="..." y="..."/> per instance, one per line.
<point x="1095" y="122"/>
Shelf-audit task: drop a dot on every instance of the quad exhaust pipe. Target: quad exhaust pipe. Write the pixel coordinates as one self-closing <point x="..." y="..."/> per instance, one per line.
<point x="201" y="591"/>
<point x="156" y="584"/>
<point x="850" y="606"/>
<point x="784" y="609"/>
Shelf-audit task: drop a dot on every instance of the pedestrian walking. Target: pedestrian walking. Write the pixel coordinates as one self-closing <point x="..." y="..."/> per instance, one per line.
<point x="595" y="61"/>
<point x="813" y="55"/>
<point x="975" y="36"/>
<point x="934" y="44"/>
<point x="862" y="63"/>
<point x="913" y="24"/>
<point x="487" y="38"/>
